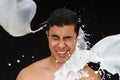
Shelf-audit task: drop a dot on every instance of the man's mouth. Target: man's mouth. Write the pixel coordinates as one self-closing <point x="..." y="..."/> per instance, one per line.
<point x="63" y="53"/>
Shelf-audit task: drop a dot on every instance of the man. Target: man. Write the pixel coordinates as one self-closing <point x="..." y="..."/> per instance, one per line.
<point x="62" y="31"/>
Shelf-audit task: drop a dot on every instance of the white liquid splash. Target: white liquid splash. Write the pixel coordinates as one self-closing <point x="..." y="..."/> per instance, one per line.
<point x="106" y="51"/>
<point x="109" y="50"/>
<point x="16" y="16"/>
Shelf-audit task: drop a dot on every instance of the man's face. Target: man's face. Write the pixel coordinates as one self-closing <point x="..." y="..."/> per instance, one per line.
<point x="62" y="42"/>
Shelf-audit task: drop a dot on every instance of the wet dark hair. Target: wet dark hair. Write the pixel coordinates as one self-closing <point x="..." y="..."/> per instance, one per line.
<point x="61" y="17"/>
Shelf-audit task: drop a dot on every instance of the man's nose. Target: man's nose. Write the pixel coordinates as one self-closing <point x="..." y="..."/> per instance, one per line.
<point x="61" y="44"/>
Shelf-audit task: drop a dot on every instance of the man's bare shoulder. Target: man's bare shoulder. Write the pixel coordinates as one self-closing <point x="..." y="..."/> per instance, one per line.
<point x="34" y="71"/>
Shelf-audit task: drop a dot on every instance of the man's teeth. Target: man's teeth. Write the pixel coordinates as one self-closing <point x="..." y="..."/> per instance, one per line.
<point x="63" y="52"/>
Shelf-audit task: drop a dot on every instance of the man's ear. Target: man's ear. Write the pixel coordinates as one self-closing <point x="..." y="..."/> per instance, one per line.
<point x="47" y="33"/>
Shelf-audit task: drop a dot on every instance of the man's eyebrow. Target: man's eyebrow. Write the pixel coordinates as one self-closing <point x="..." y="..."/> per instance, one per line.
<point x="54" y="35"/>
<point x="68" y="37"/>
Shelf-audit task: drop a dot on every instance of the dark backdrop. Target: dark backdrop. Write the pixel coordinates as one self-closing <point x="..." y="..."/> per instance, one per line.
<point x="100" y="19"/>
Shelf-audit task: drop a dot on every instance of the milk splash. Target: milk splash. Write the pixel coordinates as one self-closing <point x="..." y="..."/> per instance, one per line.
<point x="16" y="16"/>
<point x="106" y="51"/>
<point x="109" y="50"/>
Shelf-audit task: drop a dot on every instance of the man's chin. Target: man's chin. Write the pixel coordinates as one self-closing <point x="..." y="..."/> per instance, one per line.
<point x="61" y="61"/>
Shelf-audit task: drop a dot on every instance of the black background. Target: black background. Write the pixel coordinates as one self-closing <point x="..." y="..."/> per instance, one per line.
<point x="100" y="18"/>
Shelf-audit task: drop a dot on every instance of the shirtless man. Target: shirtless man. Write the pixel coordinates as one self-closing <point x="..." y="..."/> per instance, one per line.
<point x="62" y="30"/>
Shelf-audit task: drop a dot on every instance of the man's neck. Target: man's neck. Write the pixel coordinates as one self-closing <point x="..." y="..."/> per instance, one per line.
<point x="55" y="65"/>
